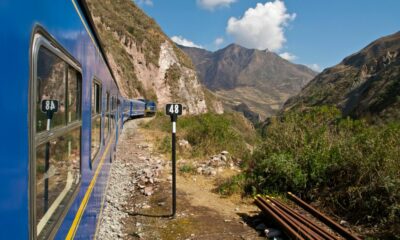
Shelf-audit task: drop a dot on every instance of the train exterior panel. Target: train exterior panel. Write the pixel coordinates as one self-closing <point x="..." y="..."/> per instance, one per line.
<point x="54" y="175"/>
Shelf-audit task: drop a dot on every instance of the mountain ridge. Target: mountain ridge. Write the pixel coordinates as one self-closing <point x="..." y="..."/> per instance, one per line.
<point x="260" y="79"/>
<point x="363" y="85"/>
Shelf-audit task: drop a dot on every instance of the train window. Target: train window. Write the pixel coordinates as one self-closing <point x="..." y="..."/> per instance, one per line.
<point x="51" y="75"/>
<point x="57" y="151"/>
<point x="96" y="119"/>
<point x="96" y="98"/>
<point x="73" y="96"/>
<point x="107" y="117"/>
<point x="57" y="175"/>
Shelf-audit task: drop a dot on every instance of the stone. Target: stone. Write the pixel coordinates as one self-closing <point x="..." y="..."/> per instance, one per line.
<point x="344" y="223"/>
<point x="272" y="233"/>
<point x="148" y="191"/>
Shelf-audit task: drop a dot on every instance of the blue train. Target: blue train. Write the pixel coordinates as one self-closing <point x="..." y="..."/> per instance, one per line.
<point x="62" y="113"/>
<point x="150" y="107"/>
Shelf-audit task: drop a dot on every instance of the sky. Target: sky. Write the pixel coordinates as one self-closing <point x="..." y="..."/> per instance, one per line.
<point x="315" y="33"/>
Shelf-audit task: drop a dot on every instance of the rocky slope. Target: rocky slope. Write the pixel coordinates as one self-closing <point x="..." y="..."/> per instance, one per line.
<point x="145" y="62"/>
<point x="365" y="84"/>
<point x="260" y="79"/>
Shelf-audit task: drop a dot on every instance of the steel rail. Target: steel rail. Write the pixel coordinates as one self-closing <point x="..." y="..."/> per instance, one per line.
<point x="302" y="228"/>
<point x="289" y="231"/>
<point x="321" y="231"/>
<point x="323" y="218"/>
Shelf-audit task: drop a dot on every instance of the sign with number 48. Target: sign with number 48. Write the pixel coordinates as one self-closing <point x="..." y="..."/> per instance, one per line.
<point x="173" y="109"/>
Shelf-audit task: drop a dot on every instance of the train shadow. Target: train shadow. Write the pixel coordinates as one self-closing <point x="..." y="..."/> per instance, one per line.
<point x="151" y="215"/>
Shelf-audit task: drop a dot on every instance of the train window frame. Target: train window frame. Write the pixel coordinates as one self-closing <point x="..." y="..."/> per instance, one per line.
<point x="95" y="115"/>
<point x="41" y="39"/>
<point x="107" y="111"/>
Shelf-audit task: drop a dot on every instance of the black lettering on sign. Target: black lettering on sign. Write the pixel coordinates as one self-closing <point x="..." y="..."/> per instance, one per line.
<point x="173" y="109"/>
<point x="49" y="107"/>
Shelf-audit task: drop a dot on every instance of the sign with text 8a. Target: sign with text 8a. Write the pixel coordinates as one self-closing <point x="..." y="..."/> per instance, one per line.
<point x="173" y="109"/>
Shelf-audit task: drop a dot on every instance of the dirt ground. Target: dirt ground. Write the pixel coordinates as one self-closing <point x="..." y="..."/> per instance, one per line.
<point x="138" y="201"/>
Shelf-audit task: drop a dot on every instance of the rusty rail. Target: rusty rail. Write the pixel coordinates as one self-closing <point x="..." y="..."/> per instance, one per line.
<point x="288" y="230"/>
<point x="323" y="218"/>
<point x="322" y="232"/>
<point x="297" y="226"/>
<point x="301" y="228"/>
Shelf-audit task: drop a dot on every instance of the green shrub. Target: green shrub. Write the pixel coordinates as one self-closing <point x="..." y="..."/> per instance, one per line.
<point x="187" y="168"/>
<point x="231" y="185"/>
<point x="209" y="133"/>
<point x="348" y="165"/>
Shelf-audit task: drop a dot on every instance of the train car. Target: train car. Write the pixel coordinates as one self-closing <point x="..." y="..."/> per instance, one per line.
<point x="137" y="108"/>
<point x="62" y="112"/>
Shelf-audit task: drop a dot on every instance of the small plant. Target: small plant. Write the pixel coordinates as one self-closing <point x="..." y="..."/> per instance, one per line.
<point x="165" y="145"/>
<point x="231" y="185"/>
<point x="187" y="168"/>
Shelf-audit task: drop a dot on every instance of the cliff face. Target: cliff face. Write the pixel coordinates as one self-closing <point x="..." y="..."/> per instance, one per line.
<point x="145" y="62"/>
<point x="261" y="80"/>
<point x="364" y="85"/>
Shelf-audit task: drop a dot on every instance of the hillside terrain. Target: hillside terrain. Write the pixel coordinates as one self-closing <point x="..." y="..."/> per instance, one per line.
<point x="364" y="85"/>
<point x="259" y="79"/>
<point x="145" y="62"/>
<point x="337" y="142"/>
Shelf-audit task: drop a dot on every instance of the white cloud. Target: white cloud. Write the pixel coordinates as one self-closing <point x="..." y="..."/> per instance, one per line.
<point x="288" y="56"/>
<point x="261" y="27"/>
<point x="218" y="41"/>
<point x="184" y="42"/>
<point x="212" y="4"/>
<point x="145" y="2"/>
<point x="314" y="67"/>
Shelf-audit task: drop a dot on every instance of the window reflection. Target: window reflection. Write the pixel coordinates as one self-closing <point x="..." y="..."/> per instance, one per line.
<point x="57" y="172"/>
<point x="96" y="136"/>
<point x="74" y="90"/>
<point x="57" y="175"/>
<point x="50" y="85"/>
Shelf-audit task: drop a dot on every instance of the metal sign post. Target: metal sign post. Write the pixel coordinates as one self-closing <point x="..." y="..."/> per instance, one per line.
<point x="49" y="107"/>
<point x="173" y="110"/>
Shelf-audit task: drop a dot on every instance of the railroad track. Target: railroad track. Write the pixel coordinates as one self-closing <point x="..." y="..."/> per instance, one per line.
<point x="300" y="226"/>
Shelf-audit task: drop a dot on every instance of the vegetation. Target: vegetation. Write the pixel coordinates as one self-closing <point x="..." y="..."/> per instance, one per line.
<point x="187" y="168"/>
<point x="349" y="166"/>
<point x="209" y="134"/>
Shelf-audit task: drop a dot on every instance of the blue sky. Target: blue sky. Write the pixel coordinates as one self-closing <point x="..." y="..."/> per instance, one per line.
<point x="312" y="32"/>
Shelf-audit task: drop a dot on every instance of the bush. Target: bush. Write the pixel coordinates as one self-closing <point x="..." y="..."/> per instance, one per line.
<point x="209" y="133"/>
<point x="187" y="168"/>
<point x="232" y="185"/>
<point x="348" y="165"/>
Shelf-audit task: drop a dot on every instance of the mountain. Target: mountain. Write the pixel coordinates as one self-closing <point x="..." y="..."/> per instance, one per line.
<point x="262" y="80"/>
<point x="145" y="62"/>
<point x="364" y="85"/>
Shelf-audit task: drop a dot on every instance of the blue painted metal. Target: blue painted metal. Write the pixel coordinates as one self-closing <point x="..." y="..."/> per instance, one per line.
<point x="62" y="21"/>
